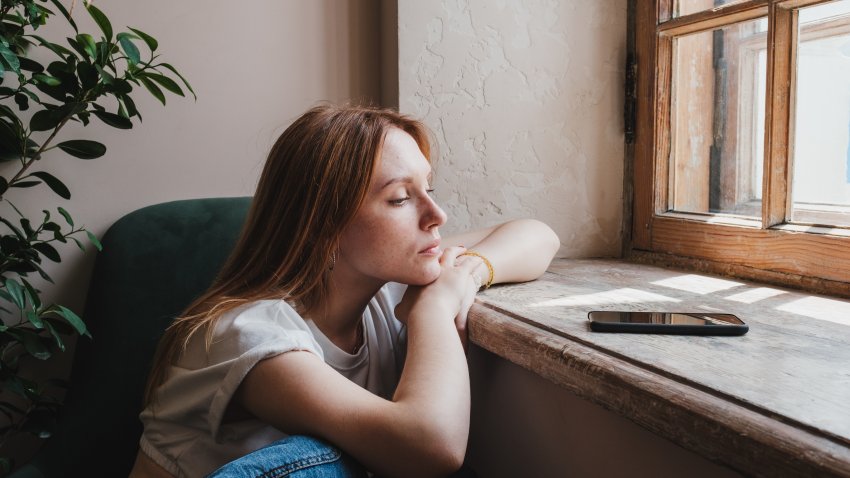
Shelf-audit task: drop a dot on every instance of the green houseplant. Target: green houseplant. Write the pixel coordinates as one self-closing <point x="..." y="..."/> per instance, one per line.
<point x="43" y="86"/>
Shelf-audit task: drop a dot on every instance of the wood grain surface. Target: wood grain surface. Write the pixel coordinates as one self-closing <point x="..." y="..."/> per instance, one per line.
<point x="773" y="402"/>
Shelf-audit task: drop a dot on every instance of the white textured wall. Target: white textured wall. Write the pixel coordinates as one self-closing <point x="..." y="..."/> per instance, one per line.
<point x="525" y="99"/>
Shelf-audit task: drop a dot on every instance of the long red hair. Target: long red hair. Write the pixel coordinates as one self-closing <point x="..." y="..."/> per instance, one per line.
<point x="314" y="181"/>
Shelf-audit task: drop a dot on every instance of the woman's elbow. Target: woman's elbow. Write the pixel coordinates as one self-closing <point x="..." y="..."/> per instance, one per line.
<point x="549" y="239"/>
<point x="444" y="458"/>
<point x="542" y="241"/>
<point x="444" y="448"/>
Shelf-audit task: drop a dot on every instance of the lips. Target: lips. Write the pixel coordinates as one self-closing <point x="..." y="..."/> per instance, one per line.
<point x="432" y="248"/>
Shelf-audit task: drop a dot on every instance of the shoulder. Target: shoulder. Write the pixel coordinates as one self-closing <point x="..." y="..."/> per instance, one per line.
<point x="263" y="328"/>
<point x="255" y="321"/>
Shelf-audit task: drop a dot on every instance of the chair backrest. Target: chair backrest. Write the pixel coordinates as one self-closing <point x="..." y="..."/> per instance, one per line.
<point x="155" y="261"/>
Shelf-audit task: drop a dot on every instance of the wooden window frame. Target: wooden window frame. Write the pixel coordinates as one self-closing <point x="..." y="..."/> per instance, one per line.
<point x="771" y="250"/>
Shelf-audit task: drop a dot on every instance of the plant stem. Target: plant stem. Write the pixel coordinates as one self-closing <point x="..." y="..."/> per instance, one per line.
<point x="37" y="154"/>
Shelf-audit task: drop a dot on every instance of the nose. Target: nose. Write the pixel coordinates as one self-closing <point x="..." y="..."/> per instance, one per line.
<point x="433" y="216"/>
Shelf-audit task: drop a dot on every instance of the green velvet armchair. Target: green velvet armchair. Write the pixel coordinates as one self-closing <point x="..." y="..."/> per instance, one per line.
<point x="154" y="262"/>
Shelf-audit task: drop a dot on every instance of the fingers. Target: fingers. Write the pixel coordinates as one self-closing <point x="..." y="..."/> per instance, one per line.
<point x="454" y="256"/>
<point x="450" y="254"/>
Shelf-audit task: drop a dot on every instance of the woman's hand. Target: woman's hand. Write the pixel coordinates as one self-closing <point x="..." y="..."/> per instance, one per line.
<point x="474" y="284"/>
<point x="453" y="292"/>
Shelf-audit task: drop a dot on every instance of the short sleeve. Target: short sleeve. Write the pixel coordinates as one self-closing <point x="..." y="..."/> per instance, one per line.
<point x="243" y="339"/>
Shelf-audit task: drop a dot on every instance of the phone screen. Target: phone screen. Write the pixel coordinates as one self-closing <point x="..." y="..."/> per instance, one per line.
<point x="671" y="318"/>
<point x="682" y="323"/>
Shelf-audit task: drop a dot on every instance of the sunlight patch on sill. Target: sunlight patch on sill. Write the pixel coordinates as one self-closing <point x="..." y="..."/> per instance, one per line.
<point x="609" y="297"/>
<point x="820" y="308"/>
<point x="755" y="295"/>
<point x="697" y="284"/>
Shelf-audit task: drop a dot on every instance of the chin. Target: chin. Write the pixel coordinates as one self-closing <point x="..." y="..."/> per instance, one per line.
<point x="424" y="277"/>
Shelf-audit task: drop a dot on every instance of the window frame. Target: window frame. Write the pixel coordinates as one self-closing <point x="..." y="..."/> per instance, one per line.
<point x="771" y="250"/>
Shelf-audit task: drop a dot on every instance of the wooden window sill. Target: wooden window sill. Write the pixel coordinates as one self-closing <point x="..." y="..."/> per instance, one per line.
<point x="773" y="402"/>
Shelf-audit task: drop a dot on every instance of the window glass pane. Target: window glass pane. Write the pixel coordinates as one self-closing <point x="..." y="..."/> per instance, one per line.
<point x="820" y="190"/>
<point x="716" y="120"/>
<point x="686" y="7"/>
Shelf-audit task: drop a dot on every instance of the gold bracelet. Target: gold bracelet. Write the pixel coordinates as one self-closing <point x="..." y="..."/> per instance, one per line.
<point x="486" y="263"/>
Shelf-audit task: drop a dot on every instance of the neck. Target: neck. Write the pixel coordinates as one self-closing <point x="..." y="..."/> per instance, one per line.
<point x="339" y="314"/>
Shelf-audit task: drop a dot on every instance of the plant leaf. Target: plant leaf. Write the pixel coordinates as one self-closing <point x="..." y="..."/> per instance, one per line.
<point x="73" y="319"/>
<point x="87" y="43"/>
<point x="16" y="291"/>
<point x="125" y="39"/>
<point x="53" y="183"/>
<point x="32" y="293"/>
<point x="45" y="120"/>
<point x="82" y="148"/>
<point x="131" y="107"/>
<point x="151" y="86"/>
<point x="32" y="344"/>
<point x="87" y="74"/>
<point x="114" y="120"/>
<point x="24" y="184"/>
<point x="79" y="244"/>
<point x="48" y="251"/>
<point x="10" y="58"/>
<point x="95" y="242"/>
<point x="166" y="83"/>
<point x="34" y="319"/>
<point x="22" y="101"/>
<point x="66" y="215"/>
<point x="56" y="337"/>
<point x="59" y="50"/>
<point x="101" y="20"/>
<point x="105" y="76"/>
<point x="65" y="13"/>
<point x="30" y="65"/>
<point x="174" y="70"/>
<point x="149" y="40"/>
<point x="46" y="79"/>
<point x="14" y="229"/>
<point x="10" y="141"/>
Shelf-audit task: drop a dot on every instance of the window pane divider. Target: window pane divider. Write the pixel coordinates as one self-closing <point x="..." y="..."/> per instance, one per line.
<point x="718" y="17"/>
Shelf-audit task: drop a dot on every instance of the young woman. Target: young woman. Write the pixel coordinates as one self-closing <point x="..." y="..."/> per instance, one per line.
<point x="339" y="320"/>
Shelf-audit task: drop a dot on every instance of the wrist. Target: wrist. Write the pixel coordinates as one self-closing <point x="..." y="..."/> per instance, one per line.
<point x="484" y="271"/>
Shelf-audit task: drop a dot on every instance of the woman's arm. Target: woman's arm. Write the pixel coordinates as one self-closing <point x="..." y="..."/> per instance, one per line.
<point x="423" y="430"/>
<point x="519" y="250"/>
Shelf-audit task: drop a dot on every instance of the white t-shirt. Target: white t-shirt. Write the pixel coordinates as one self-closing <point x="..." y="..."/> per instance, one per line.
<point x="183" y="432"/>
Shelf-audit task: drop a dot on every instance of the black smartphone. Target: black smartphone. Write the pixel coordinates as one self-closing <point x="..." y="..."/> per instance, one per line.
<point x="680" y="323"/>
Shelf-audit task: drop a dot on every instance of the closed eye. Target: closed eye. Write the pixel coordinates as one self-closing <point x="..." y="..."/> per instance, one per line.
<point x="399" y="201"/>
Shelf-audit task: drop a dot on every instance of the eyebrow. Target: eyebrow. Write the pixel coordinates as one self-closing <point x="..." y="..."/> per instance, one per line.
<point x="406" y="179"/>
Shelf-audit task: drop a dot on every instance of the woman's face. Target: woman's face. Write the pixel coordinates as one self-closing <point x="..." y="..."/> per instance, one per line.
<point x="393" y="236"/>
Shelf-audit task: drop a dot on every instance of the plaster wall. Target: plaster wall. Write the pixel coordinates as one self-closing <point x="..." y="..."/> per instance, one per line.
<point x="525" y="99"/>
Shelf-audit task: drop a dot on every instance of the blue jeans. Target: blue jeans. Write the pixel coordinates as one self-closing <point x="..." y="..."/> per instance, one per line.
<point x="293" y="457"/>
